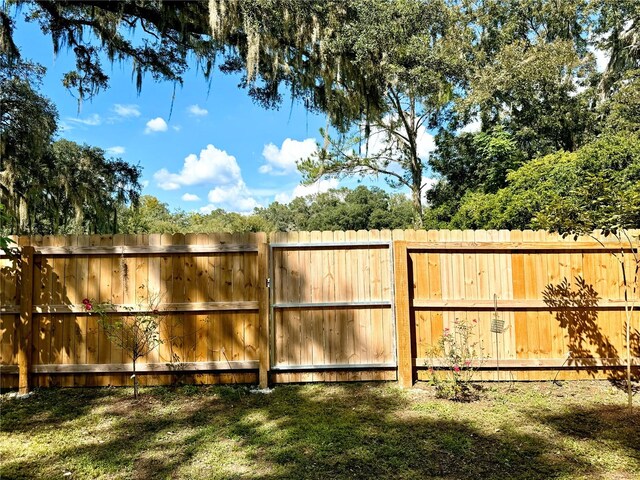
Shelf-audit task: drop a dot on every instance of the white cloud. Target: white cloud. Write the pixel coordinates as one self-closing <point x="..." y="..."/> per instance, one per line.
<point x="207" y="209"/>
<point x="474" y="127"/>
<point x="429" y="183"/>
<point x="156" y="125"/>
<point x="320" y="186"/>
<point x="602" y="59"/>
<point x="190" y="197"/>
<point x="126" y="110"/>
<point x="144" y="184"/>
<point x="212" y="166"/>
<point x="234" y="197"/>
<point x="374" y="144"/>
<point x="282" y="161"/>
<point x="91" y="121"/>
<point x="426" y="143"/>
<point x="378" y="140"/>
<point x="198" y="111"/>
<point x="64" y="126"/>
<point x="115" y="150"/>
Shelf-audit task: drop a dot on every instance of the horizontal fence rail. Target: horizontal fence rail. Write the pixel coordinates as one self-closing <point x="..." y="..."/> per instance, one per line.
<point x="502" y="305"/>
<point x="131" y="309"/>
<point x="314" y="306"/>
<point x="129" y="250"/>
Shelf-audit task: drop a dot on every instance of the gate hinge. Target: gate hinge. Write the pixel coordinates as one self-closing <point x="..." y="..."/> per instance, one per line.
<point x="268" y="282"/>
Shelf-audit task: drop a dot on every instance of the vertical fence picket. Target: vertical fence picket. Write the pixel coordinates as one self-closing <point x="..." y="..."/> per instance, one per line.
<point x="25" y="326"/>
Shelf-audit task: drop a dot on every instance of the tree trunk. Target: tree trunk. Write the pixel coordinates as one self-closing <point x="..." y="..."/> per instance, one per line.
<point x="416" y="199"/>
<point x="23" y="216"/>
<point x="78" y="220"/>
<point x="628" y="313"/>
<point x="135" y="381"/>
<point x="628" y="309"/>
<point x="629" y="387"/>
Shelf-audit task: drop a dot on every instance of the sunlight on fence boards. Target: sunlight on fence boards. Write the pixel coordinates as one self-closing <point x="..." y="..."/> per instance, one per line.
<point x="209" y="300"/>
<point x="331" y="312"/>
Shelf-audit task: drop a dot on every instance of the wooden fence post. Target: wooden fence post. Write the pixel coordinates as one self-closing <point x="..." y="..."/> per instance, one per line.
<point x="263" y="312"/>
<point x="403" y="321"/>
<point x="24" y="331"/>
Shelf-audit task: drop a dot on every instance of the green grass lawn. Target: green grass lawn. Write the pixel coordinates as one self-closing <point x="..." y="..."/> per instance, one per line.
<point x="528" y="430"/>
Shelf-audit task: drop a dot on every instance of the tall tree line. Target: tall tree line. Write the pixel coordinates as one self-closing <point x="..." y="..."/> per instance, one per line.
<point x="521" y="72"/>
<point x="338" y="209"/>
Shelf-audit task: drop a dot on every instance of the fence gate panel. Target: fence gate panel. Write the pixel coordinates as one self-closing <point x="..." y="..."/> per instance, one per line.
<point x="332" y="306"/>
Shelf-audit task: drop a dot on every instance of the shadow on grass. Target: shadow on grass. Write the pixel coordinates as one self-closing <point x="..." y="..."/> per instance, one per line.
<point x="343" y="431"/>
<point x="617" y="427"/>
<point x="50" y="408"/>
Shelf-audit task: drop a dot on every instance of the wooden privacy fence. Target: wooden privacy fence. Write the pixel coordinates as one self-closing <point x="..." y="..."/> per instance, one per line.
<point x="209" y="289"/>
<point x="313" y="306"/>
<point x="332" y="306"/>
<point x="557" y="303"/>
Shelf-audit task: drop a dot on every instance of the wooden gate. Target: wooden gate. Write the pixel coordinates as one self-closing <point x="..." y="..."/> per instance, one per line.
<point x="332" y="306"/>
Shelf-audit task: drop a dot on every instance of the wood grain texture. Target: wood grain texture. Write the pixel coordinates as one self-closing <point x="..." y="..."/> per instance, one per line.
<point x="335" y="303"/>
<point x="25" y="327"/>
<point x="403" y="322"/>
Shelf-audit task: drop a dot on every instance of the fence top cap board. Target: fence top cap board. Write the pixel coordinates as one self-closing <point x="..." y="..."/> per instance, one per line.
<point x="131" y="250"/>
<point x="228" y="243"/>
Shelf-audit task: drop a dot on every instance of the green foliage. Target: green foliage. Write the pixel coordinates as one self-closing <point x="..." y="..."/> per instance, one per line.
<point x="298" y="44"/>
<point x="158" y="37"/>
<point x="530" y="89"/>
<point x="461" y="355"/>
<point x="73" y="189"/>
<point x="339" y="209"/>
<point x="532" y="74"/>
<point x="519" y="62"/>
<point x="383" y="73"/>
<point x="469" y="164"/>
<point x="88" y="187"/>
<point x="342" y="209"/>
<point x="49" y="186"/>
<point x="286" y="217"/>
<point x="621" y="112"/>
<point x="28" y="122"/>
<point x="617" y="32"/>
<point x="419" y="46"/>
<point x="596" y="187"/>
<point x="222" y="221"/>
<point x="150" y="216"/>
<point x="605" y="192"/>
<point x="5" y="242"/>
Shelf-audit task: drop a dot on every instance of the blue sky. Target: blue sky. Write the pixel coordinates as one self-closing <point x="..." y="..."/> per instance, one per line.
<point x="213" y="148"/>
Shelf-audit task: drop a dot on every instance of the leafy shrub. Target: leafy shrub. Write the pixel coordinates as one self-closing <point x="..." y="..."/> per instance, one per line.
<point x="454" y="360"/>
